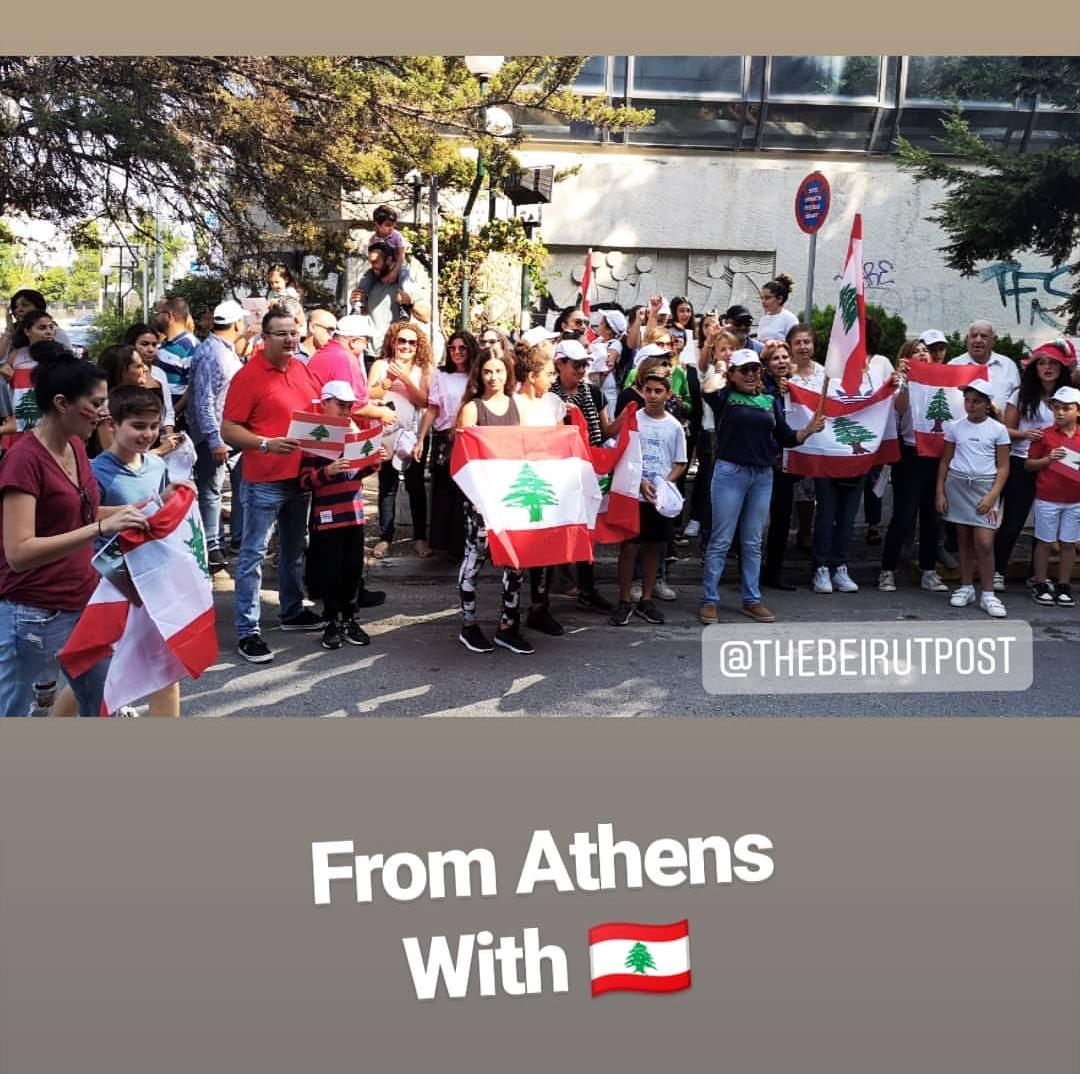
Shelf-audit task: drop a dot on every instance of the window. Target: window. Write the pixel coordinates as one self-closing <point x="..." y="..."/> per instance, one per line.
<point x="690" y="123"/>
<point x="825" y="76"/>
<point x="688" y="76"/>
<point x="964" y="78"/>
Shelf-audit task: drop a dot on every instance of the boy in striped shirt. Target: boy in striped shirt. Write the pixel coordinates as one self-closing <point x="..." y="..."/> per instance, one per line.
<point x="336" y="550"/>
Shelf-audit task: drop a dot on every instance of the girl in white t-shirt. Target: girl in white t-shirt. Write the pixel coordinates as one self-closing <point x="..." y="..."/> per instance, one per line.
<point x="971" y="475"/>
<point x="776" y="322"/>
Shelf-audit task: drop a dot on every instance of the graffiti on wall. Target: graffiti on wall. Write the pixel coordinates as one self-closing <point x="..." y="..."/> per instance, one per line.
<point x="1011" y="278"/>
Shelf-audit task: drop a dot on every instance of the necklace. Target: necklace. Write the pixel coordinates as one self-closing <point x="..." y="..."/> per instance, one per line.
<point x="65" y="459"/>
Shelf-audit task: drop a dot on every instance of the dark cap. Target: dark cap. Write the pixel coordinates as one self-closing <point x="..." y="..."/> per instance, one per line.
<point x="737" y="313"/>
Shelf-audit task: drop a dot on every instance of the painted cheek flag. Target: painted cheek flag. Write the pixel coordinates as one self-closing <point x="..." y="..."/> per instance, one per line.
<point x="858" y="435"/>
<point x="535" y="488"/>
<point x="625" y="957"/>
<point x="171" y="634"/>
<point x="586" y="284"/>
<point x="936" y="396"/>
<point x="618" y="469"/>
<point x="846" y="358"/>
<point x="364" y="448"/>
<point x="319" y="434"/>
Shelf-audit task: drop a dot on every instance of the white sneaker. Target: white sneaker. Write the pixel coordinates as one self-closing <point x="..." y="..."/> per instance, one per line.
<point x="992" y="606"/>
<point x="821" y="580"/>
<point x="693" y="528"/>
<point x="963" y="596"/>
<point x="886" y="581"/>
<point x="999" y="582"/>
<point x="126" y="711"/>
<point x="842" y="582"/>
<point x="662" y="591"/>
<point x="931" y="580"/>
<point x="635" y="592"/>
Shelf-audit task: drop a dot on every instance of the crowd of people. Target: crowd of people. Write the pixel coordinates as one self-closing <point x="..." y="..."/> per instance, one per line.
<point x="86" y="445"/>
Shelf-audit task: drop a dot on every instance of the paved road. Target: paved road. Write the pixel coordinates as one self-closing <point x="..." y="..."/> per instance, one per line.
<point x="416" y="667"/>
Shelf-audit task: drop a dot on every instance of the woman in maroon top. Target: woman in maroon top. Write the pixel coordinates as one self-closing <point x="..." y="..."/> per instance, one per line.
<point x="50" y="516"/>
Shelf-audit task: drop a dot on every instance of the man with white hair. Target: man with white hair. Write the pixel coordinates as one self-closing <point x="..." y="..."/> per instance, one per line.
<point x="1000" y="369"/>
<point x="342" y="358"/>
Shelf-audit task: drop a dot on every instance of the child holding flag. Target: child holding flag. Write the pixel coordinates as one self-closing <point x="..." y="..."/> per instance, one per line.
<point x="1055" y="458"/>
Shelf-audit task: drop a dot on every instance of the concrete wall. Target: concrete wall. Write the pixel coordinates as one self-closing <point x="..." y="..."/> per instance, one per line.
<point x="715" y="227"/>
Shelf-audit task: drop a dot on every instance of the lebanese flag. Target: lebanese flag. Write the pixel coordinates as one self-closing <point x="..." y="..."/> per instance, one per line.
<point x="535" y="488"/>
<point x="319" y="434"/>
<point x="936" y="396"/>
<point x="171" y="634"/>
<point x="586" y="284"/>
<point x="626" y="957"/>
<point x="1069" y="466"/>
<point x="24" y="404"/>
<point x="619" y="471"/>
<point x="858" y="434"/>
<point x="846" y="357"/>
<point x="364" y="448"/>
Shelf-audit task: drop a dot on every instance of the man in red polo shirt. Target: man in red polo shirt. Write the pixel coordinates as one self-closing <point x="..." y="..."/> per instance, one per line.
<point x="258" y="408"/>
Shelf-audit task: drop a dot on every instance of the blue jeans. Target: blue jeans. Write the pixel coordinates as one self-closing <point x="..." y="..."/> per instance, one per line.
<point x="30" y="638"/>
<point x="267" y="502"/>
<point x="210" y="480"/>
<point x="236" y="480"/>
<point x="834" y="520"/>
<point x="740" y="497"/>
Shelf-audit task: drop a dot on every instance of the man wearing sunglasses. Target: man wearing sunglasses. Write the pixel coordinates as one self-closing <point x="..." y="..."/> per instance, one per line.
<point x="738" y="321"/>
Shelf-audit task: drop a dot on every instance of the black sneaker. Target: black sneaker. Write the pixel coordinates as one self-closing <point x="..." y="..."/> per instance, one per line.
<point x="353" y="633"/>
<point x="472" y="637"/>
<point x="331" y="636"/>
<point x="1064" y="595"/>
<point x="1043" y="593"/>
<point x="593" y="602"/>
<point x="622" y="613"/>
<point x="370" y="598"/>
<point x="305" y="620"/>
<point x="648" y="611"/>
<point x="254" y="649"/>
<point x="216" y="561"/>
<point x="545" y="622"/>
<point x="511" y="639"/>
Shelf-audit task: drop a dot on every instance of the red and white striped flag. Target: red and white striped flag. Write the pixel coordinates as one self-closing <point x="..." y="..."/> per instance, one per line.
<point x="846" y="358"/>
<point x="936" y="396"/>
<point x="627" y="957"/>
<point x="619" y="471"/>
<point x="171" y="634"/>
<point x="586" y="285"/>
<point x="319" y="434"/>
<point x="535" y="488"/>
<point x="858" y="435"/>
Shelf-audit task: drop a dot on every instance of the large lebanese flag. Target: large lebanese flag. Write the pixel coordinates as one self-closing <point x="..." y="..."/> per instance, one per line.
<point x="936" y="396"/>
<point x="319" y="434"/>
<point x="171" y="634"/>
<point x="535" y="488"/>
<point x="846" y="358"/>
<point x="858" y="434"/>
<point x="618" y="469"/>
<point x="626" y="957"/>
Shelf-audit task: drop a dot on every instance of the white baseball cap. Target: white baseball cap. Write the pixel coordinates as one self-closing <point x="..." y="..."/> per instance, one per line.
<point x="1066" y="394"/>
<point x="227" y="313"/>
<point x="982" y="386"/>
<point x="539" y="334"/>
<point x="356" y="325"/>
<point x="572" y="350"/>
<point x="341" y="390"/>
<point x="932" y="336"/>
<point x="746" y="356"/>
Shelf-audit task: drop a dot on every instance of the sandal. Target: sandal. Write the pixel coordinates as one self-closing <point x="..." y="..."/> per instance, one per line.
<point x="380" y="549"/>
<point x="423" y="549"/>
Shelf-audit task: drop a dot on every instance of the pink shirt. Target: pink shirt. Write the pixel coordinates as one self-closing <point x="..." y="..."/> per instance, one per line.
<point x="336" y="362"/>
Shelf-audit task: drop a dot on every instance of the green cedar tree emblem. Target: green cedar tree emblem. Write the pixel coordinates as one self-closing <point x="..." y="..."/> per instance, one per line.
<point x="26" y="410"/>
<point x="851" y="433"/>
<point x="197" y="544"/>
<point x="532" y="492"/>
<point x="320" y="432"/>
<point x="938" y="410"/>
<point x="639" y="959"/>
<point x="849" y="306"/>
<point x="366" y="449"/>
<point x="605" y="484"/>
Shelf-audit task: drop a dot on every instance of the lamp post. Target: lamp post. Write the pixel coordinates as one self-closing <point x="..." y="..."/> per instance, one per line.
<point x="482" y="68"/>
<point x="106" y="272"/>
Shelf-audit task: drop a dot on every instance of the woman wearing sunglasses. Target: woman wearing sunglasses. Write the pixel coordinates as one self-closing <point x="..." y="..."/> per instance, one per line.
<point x="50" y="516"/>
<point x="401" y="376"/>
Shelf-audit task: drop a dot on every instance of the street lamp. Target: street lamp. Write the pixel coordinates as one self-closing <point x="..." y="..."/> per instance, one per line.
<point x="106" y="272"/>
<point x="482" y="68"/>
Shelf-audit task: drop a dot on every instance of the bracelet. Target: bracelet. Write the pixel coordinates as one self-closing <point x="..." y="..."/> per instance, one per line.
<point x="99" y="533"/>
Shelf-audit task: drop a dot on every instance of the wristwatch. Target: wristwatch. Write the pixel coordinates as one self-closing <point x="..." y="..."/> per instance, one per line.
<point x="264" y="446"/>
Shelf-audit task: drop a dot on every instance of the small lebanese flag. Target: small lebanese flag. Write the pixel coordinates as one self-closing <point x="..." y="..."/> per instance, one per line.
<point x="846" y="358"/>
<point x="936" y="396"/>
<point x="626" y="957"/>
<point x="172" y="633"/>
<point x="24" y="398"/>
<point x="364" y="447"/>
<point x="1070" y="465"/>
<point x="858" y="435"/>
<point x="319" y="434"/>
<point x="586" y="284"/>
<point x="535" y="488"/>
<point x="619" y="471"/>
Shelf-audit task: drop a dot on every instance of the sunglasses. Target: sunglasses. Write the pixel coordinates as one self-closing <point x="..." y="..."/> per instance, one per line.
<point x="87" y="506"/>
<point x="457" y="347"/>
<point x="402" y="342"/>
<point x="490" y="341"/>
<point x="747" y="370"/>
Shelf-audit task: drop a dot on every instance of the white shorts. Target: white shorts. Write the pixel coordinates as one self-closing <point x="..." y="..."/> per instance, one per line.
<point x="1057" y="522"/>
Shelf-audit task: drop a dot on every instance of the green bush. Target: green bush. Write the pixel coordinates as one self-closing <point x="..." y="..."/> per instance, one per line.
<point x="109" y="327"/>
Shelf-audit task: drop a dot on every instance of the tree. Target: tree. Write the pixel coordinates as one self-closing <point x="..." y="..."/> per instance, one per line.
<point x="938" y="410"/>
<point x="197" y="544"/>
<point x="639" y="959"/>
<point x="15" y="273"/>
<point x="532" y="492"/>
<point x="997" y="202"/>
<point x="320" y="433"/>
<point x="850" y="432"/>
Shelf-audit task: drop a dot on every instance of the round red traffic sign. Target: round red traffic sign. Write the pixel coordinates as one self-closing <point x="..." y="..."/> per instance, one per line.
<point x="812" y="201"/>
